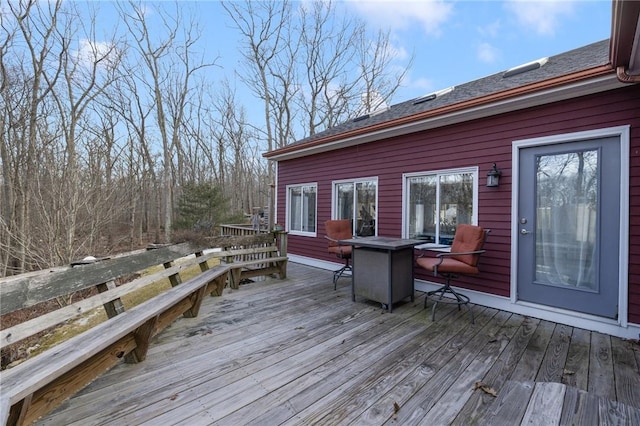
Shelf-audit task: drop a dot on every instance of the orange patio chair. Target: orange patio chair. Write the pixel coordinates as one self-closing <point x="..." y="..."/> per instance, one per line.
<point x="339" y="230"/>
<point x="466" y="249"/>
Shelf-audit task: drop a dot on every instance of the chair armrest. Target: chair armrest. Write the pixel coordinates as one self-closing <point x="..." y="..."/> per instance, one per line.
<point x="442" y="256"/>
<point x="459" y="253"/>
<point x="336" y="241"/>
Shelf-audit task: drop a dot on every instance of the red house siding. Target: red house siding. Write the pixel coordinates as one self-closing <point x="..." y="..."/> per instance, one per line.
<point x="476" y="143"/>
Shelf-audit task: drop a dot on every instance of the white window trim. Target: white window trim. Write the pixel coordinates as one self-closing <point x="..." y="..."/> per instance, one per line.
<point x="405" y="192"/>
<point x="288" y="210"/>
<point x="623" y="132"/>
<point x="334" y="214"/>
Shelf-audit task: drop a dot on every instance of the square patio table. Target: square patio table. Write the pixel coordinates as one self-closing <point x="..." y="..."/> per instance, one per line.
<point x="382" y="269"/>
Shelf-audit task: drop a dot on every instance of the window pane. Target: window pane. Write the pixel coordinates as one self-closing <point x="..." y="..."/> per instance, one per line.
<point x="344" y="194"/>
<point x="437" y="204"/>
<point x="456" y="204"/>
<point x="422" y="208"/>
<point x="309" y="209"/>
<point x="295" y="200"/>
<point x="366" y="215"/>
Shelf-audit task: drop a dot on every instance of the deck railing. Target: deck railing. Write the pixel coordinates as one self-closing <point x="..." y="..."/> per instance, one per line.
<point x="242" y="229"/>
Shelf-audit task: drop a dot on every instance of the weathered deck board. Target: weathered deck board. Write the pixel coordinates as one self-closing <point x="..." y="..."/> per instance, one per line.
<point x="300" y="393"/>
<point x="295" y="351"/>
<point x="576" y="369"/>
<point x="580" y="408"/>
<point x="409" y="367"/>
<point x="454" y="399"/>
<point x="498" y="374"/>
<point x="545" y="406"/>
<point x="601" y="379"/>
<point x="626" y="371"/>
<point x="448" y="365"/>
<point x="510" y="405"/>
<point x="529" y="364"/>
<point x="555" y="357"/>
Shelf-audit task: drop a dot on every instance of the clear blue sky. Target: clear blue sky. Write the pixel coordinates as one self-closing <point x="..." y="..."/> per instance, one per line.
<point x="458" y="41"/>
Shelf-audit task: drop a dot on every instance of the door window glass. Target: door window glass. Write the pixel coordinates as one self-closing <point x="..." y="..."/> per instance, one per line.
<point x="566" y="219"/>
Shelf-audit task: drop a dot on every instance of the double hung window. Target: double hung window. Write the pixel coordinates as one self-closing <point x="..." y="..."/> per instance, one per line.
<point x="436" y="202"/>
<point x="301" y="209"/>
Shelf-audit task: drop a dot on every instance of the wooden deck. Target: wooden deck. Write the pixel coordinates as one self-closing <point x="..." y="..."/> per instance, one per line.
<point x="297" y="352"/>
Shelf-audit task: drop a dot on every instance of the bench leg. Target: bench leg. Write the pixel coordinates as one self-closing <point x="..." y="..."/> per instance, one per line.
<point x="216" y="287"/>
<point x="234" y="276"/>
<point x="18" y="411"/>
<point x="196" y="301"/>
<point x="143" y="336"/>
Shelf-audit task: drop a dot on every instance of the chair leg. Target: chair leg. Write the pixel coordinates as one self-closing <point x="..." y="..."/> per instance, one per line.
<point x="337" y="274"/>
<point x="439" y="296"/>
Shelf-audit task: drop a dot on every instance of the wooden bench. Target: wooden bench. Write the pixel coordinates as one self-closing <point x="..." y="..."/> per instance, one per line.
<point x="270" y="262"/>
<point x="255" y="255"/>
<point x="275" y="265"/>
<point x="38" y="385"/>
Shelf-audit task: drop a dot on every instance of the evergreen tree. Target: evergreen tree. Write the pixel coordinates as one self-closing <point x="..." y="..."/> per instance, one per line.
<point x="201" y="207"/>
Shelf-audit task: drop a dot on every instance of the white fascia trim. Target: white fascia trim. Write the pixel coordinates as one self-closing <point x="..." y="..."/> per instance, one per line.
<point x="581" y="88"/>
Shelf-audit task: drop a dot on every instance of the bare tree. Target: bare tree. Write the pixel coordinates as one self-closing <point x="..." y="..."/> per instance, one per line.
<point x="234" y="137"/>
<point x="314" y="65"/>
<point x="379" y="78"/>
<point x="169" y="84"/>
<point x="86" y="73"/>
<point x="202" y="127"/>
<point x="88" y="125"/>
<point x="24" y="95"/>
<point x="261" y="25"/>
<point x="127" y="99"/>
<point x="329" y="46"/>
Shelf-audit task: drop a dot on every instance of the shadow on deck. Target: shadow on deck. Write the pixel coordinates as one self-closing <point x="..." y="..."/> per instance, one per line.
<point x="295" y="351"/>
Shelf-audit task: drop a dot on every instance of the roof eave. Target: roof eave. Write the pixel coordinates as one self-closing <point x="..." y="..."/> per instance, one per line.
<point x="581" y="83"/>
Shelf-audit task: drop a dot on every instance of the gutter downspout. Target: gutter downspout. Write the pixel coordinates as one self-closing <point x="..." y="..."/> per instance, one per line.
<point x="621" y="73"/>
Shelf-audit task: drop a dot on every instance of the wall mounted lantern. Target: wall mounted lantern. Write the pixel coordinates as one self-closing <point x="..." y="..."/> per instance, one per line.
<point x="493" y="176"/>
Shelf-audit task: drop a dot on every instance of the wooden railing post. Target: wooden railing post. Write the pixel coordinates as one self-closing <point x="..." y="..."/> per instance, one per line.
<point x="282" y="242"/>
<point x="203" y="265"/>
<point x="174" y="279"/>
<point x="115" y="307"/>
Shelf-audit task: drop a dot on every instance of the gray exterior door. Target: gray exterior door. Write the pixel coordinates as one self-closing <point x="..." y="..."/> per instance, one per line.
<point x="569" y="226"/>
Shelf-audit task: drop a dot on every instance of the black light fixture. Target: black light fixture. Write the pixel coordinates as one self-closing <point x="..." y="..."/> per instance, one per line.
<point x="493" y="176"/>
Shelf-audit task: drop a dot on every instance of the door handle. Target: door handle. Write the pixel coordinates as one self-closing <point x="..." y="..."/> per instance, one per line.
<point x="524" y="231"/>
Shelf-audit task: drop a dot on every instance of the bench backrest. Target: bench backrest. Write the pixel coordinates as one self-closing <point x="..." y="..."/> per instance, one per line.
<point x="169" y="261"/>
<point x="28" y="387"/>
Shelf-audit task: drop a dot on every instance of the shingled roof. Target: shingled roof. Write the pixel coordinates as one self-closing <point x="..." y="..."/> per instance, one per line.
<point x="586" y="57"/>
<point x="483" y="91"/>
